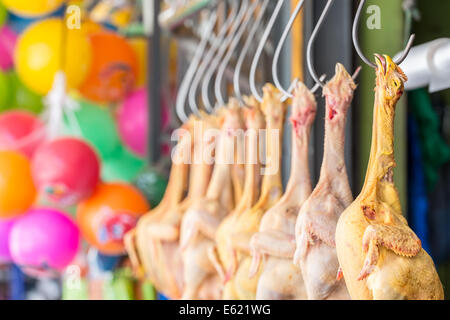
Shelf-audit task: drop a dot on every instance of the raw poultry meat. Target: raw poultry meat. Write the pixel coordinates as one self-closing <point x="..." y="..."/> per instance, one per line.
<point x="280" y="278"/>
<point x="173" y="195"/>
<point x="254" y="122"/>
<point x="157" y="241"/>
<point x="201" y="220"/>
<point x="380" y="256"/>
<point x="239" y="285"/>
<point x="316" y="223"/>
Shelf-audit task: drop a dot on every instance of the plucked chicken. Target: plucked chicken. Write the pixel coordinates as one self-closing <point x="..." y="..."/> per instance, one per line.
<point x="280" y="278"/>
<point x="316" y="223"/>
<point x="239" y="285"/>
<point x="201" y="220"/>
<point x="380" y="256"/>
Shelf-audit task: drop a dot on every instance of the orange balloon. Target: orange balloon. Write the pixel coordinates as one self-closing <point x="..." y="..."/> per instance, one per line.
<point x="108" y="214"/>
<point x="17" y="191"/>
<point x="114" y="68"/>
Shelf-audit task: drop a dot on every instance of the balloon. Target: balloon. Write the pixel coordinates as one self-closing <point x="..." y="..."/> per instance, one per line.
<point x="44" y="238"/>
<point x="22" y="97"/>
<point x="65" y="170"/>
<point x="5" y="91"/>
<point x="132" y="118"/>
<point x="17" y="191"/>
<point x="139" y="46"/>
<point x="152" y="184"/>
<point x="32" y="8"/>
<point x="114" y="69"/>
<point x="133" y="122"/>
<point x="8" y="41"/>
<point x="21" y="131"/>
<point x="3" y="14"/>
<point x="5" y="229"/>
<point x="97" y="126"/>
<point x="39" y="51"/>
<point x="108" y="214"/>
<point x="123" y="166"/>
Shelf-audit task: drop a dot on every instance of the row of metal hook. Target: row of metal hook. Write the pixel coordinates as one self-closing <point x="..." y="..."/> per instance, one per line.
<point x="214" y="59"/>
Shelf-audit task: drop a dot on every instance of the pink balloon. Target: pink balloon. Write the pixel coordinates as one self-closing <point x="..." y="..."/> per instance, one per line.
<point x="20" y="131"/>
<point x="5" y="229"/>
<point x="133" y="121"/>
<point x="8" y="41"/>
<point x="44" y="237"/>
<point x="66" y="170"/>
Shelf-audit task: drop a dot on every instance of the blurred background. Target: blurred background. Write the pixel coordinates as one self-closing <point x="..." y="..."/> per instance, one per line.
<point x="88" y="96"/>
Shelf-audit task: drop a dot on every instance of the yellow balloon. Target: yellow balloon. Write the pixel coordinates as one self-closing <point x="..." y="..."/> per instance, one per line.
<point x="139" y="46"/>
<point x="39" y="54"/>
<point x="32" y="8"/>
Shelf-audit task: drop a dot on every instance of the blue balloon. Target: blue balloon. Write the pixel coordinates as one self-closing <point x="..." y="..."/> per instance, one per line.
<point x="19" y="24"/>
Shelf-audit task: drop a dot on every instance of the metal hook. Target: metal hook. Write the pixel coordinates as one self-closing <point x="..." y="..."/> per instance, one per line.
<point x="309" y="56"/>
<point x="260" y="48"/>
<point x="222" y="49"/>
<point x="184" y="87"/>
<point x="231" y="49"/>
<point x="355" y="37"/>
<point x="209" y="56"/>
<point x="277" y="54"/>
<point x="248" y="43"/>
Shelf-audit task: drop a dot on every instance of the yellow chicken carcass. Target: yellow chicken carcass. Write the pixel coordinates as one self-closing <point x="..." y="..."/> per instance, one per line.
<point x="380" y="256"/>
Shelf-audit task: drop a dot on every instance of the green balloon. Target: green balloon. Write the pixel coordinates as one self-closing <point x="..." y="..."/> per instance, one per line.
<point x="152" y="184"/>
<point x="97" y="126"/>
<point x="5" y="91"/>
<point x="22" y="97"/>
<point x="122" y="166"/>
<point x="3" y="14"/>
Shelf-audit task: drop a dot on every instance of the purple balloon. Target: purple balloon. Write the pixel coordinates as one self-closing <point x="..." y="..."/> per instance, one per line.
<point x="7" y="43"/>
<point x="5" y="229"/>
<point x="44" y="237"/>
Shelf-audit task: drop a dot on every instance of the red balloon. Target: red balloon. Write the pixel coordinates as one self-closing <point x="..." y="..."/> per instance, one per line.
<point x="65" y="170"/>
<point x="21" y="131"/>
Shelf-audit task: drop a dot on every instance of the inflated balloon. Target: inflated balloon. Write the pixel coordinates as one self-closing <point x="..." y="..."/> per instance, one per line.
<point x="3" y="14"/>
<point x="139" y="46"/>
<point x="152" y="184"/>
<point x="21" y="131"/>
<point x="44" y="239"/>
<point x="65" y="170"/>
<point x="5" y="229"/>
<point x="97" y="126"/>
<point x="8" y="41"/>
<point x="33" y="8"/>
<point x="17" y="191"/>
<point x="22" y="97"/>
<point x="39" y="53"/>
<point x="122" y="166"/>
<point x="114" y="69"/>
<point x="132" y="119"/>
<point x="108" y="214"/>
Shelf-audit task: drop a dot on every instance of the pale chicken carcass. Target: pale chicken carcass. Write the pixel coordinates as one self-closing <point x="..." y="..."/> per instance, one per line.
<point x="157" y="241"/>
<point x="254" y="123"/>
<point x="240" y="286"/>
<point x="280" y="279"/>
<point x="316" y="223"/>
<point x="201" y="220"/>
<point x="174" y="194"/>
<point x="380" y="256"/>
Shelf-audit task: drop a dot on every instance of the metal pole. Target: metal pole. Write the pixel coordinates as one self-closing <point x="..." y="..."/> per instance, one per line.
<point x="154" y="84"/>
